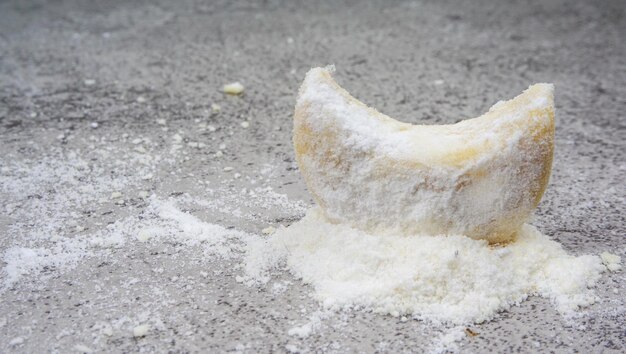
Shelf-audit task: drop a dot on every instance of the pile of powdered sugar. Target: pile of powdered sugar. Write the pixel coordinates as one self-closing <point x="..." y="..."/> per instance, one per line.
<point x="452" y="279"/>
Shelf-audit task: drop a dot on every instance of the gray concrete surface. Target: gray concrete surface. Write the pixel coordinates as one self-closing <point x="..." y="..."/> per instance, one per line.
<point x="65" y="65"/>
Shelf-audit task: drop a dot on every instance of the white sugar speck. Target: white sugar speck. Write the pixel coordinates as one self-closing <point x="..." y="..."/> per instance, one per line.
<point x="268" y="230"/>
<point x="116" y="195"/>
<point x="16" y="341"/>
<point x="81" y="348"/>
<point x="141" y="330"/>
<point x="611" y="261"/>
<point x="234" y="88"/>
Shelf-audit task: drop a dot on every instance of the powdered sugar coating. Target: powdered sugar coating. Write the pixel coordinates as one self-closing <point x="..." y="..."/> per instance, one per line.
<point x="482" y="177"/>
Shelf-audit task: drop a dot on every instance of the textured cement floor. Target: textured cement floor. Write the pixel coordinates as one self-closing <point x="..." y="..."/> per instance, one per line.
<point x="105" y="102"/>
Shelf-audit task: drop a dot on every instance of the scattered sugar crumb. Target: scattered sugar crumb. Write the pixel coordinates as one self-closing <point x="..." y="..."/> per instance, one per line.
<point x="240" y="347"/>
<point x="81" y="348"/>
<point x="291" y="348"/>
<point x="143" y="235"/>
<point x="313" y="325"/>
<point x="302" y="331"/>
<point x="141" y="330"/>
<point x="215" y="108"/>
<point x="449" y="340"/>
<point x="16" y="341"/>
<point x="234" y="88"/>
<point x="116" y="195"/>
<point x="281" y="287"/>
<point x="611" y="261"/>
<point x="268" y="230"/>
<point x="177" y="138"/>
<point x="107" y="331"/>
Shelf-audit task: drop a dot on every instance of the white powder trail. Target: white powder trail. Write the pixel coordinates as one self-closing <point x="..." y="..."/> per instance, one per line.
<point x="216" y="240"/>
<point x="161" y="220"/>
<point x="22" y="261"/>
